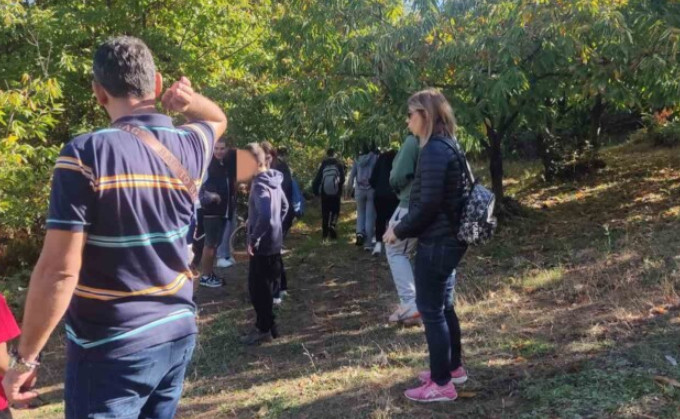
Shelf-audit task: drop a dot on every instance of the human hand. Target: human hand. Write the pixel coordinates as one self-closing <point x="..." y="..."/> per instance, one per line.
<point x="179" y="96"/>
<point x="389" y="237"/>
<point x="17" y="386"/>
<point x="250" y="250"/>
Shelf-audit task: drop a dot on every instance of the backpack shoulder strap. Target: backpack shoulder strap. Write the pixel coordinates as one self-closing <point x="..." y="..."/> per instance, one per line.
<point x="166" y="155"/>
<point x="463" y="161"/>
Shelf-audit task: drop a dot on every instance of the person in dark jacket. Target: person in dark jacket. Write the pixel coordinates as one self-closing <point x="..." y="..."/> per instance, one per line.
<point x="385" y="199"/>
<point x="435" y="207"/>
<point x="214" y="198"/>
<point x="328" y="183"/>
<point x="267" y="206"/>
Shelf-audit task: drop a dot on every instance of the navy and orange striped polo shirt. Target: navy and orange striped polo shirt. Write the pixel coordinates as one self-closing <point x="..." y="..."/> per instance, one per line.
<point x="134" y="289"/>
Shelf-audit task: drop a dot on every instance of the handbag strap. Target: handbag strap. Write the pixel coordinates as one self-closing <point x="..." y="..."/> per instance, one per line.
<point x="166" y="155"/>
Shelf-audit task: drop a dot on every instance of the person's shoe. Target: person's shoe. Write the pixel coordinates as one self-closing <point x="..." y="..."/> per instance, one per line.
<point x="256" y="337"/>
<point x="360" y="240"/>
<point x="210" y="281"/>
<point x="368" y="246"/>
<point x="458" y="376"/>
<point x="431" y="392"/>
<point x="333" y="234"/>
<point x="277" y="302"/>
<point x="377" y="249"/>
<point x="224" y="263"/>
<point x="232" y="260"/>
<point x="274" y="331"/>
<point x="283" y="293"/>
<point x="405" y="315"/>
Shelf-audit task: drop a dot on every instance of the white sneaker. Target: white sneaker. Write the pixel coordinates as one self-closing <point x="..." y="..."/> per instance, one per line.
<point x="277" y="301"/>
<point x="224" y="263"/>
<point x="283" y="293"/>
<point x="405" y="315"/>
<point x="377" y="249"/>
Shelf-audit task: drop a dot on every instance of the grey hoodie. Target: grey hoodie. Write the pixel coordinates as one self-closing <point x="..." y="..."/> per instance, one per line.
<point x="362" y="170"/>
<point x="267" y="206"/>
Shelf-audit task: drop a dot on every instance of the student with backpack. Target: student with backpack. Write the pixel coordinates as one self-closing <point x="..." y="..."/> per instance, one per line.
<point x="364" y="195"/>
<point x="328" y="184"/>
<point x="436" y="206"/>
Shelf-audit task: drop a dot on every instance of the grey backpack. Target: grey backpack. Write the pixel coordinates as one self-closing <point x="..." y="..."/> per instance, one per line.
<point x="330" y="180"/>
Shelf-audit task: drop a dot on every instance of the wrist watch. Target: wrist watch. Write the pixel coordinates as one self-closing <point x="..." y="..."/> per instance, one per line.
<point x="19" y="364"/>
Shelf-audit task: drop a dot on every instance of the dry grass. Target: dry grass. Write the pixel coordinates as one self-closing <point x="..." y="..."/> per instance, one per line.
<point x="569" y="312"/>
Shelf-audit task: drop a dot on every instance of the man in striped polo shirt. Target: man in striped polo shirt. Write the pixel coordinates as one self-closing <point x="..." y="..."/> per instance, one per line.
<point x="115" y="254"/>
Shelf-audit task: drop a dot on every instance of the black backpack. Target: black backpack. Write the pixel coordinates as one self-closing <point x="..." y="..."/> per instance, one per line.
<point x="477" y="222"/>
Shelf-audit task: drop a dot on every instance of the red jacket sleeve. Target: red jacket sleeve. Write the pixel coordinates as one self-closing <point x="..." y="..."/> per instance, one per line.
<point x="8" y="325"/>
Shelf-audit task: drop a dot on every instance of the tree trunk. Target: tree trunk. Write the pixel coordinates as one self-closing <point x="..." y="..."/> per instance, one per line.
<point x="595" y="117"/>
<point x="544" y="151"/>
<point x="495" y="162"/>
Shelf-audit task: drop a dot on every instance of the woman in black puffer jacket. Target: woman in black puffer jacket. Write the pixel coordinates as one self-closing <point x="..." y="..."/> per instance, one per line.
<point x="435" y="207"/>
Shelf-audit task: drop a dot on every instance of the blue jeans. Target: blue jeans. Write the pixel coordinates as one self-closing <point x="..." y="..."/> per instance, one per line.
<point x="365" y="214"/>
<point x="435" y="262"/>
<point x="145" y="384"/>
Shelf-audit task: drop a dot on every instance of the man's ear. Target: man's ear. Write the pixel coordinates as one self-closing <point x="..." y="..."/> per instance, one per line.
<point x="159" y="85"/>
<point x="100" y="93"/>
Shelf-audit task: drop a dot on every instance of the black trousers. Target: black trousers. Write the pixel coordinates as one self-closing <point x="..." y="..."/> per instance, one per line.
<point x="6" y="414"/>
<point x="330" y="210"/>
<point x="384" y="208"/>
<point x="263" y="277"/>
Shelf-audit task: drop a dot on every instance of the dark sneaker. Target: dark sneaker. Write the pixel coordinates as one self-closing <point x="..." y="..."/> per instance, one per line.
<point x="333" y="234"/>
<point x="360" y="240"/>
<point x="210" y="281"/>
<point x="256" y="337"/>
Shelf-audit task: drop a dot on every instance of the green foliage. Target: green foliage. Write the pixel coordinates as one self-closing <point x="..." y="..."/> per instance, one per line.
<point x="309" y="75"/>
<point x="28" y="111"/>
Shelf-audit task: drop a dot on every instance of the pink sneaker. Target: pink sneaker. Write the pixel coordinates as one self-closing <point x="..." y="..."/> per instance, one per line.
<point x="431" y="392"/>
<point x="458" y="376"/>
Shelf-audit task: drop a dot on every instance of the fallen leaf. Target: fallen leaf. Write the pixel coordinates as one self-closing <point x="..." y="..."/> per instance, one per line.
<point x="668" y="381"/>
<point x="658" y="310"/>
<point x="671" y="360"/>
<point x="467" y="394"/>
<point x="519" y="360"/>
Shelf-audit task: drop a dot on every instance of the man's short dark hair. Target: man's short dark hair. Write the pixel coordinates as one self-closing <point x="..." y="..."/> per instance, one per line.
<point x="330" y="152"/>
<point x="124" y="67"/>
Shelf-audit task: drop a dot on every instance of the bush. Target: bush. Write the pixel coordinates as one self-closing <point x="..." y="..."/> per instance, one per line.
<point x="28" y="110"/>
<point x="667" y="135"/>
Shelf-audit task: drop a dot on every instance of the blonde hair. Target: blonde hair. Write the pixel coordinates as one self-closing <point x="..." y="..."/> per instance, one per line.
<point x="436" y="112"/>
